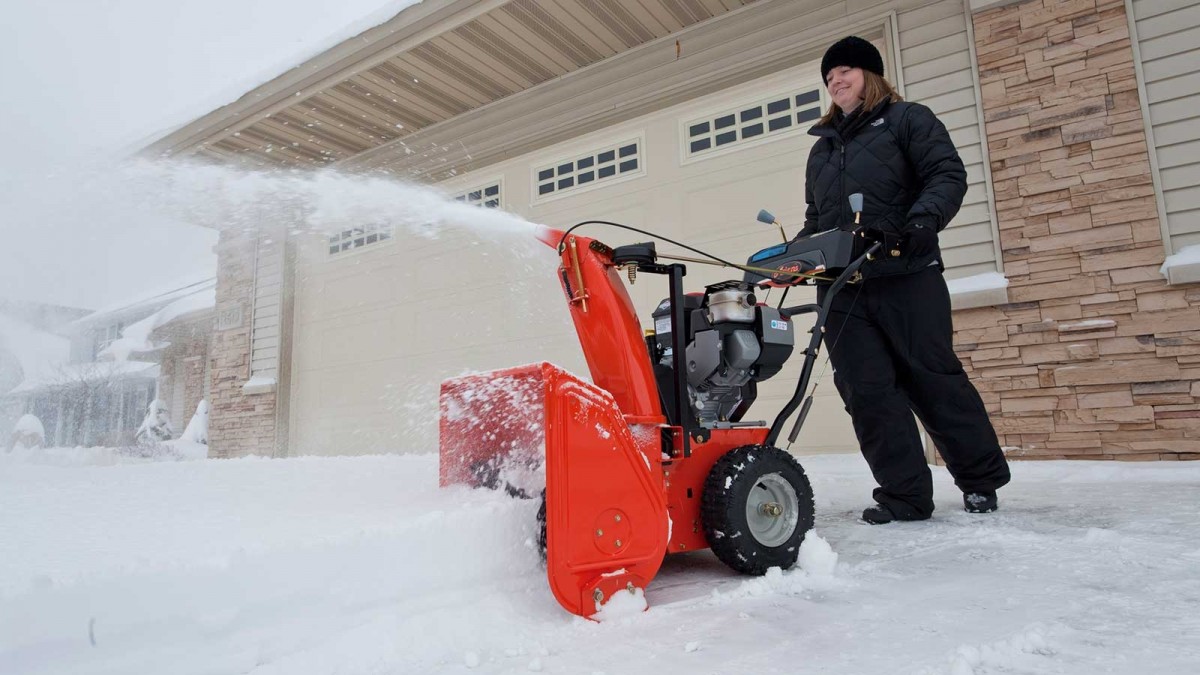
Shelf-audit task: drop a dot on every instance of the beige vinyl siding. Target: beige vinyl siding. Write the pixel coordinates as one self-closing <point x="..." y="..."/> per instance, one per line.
<point x="937" y="67"/>
<point x="1168" y="35"/>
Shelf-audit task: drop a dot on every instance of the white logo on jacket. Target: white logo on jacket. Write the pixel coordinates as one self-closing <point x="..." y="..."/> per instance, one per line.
<point x="877" y="122"/>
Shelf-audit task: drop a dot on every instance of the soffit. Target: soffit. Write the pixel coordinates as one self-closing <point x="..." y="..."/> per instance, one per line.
<point x="512" y="48"/>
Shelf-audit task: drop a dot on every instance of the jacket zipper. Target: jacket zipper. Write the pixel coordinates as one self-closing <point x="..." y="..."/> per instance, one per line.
<point x="842" y="177"/>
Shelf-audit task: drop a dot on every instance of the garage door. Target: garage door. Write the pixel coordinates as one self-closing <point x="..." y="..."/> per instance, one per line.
<point x="377" y="329"/>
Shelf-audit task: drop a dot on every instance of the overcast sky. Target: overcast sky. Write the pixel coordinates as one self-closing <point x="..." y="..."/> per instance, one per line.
<point x="84" y="83"/>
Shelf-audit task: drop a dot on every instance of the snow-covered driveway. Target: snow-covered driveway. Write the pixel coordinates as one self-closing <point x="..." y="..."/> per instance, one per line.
<point x="361" y="565"/>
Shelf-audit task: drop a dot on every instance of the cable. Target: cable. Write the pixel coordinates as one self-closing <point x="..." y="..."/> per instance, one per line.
<point x="829" y="357"/>
<point x="720" y="262"/>
<point x="648" y="234"/>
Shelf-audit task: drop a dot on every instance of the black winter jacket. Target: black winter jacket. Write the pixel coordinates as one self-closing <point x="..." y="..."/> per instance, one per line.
<point x="901" y="158"/>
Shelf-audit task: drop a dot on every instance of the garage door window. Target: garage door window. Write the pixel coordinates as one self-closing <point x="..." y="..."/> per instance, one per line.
<point x="357" y="237"/>
<point x="584" y="171"/>
<point x="773" y="116"/>
<point x="487" y="196"/>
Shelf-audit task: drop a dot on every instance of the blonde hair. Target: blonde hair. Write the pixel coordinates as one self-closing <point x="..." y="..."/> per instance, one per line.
<point x="875" y="89"/>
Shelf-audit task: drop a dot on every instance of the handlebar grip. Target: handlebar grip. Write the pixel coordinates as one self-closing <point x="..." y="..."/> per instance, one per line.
<point x="800" y="309"/>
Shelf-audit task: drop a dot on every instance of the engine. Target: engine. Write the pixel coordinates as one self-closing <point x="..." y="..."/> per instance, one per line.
<point x="732" y="344"/>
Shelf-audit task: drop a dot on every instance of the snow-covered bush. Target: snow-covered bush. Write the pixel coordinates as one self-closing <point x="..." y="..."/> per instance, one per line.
<point x="196" y="430"/>
<point x="28" y="434"/>
<point x="156" y="427"/>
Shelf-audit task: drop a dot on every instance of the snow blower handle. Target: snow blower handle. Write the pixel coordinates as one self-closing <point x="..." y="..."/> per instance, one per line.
<point x="818" y="332"/>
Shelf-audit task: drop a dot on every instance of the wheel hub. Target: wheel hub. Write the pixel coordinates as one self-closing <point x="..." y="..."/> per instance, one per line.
<point x="772" y="510"/>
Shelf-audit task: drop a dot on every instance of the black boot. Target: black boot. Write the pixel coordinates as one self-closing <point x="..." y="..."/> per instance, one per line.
<point x="878" y="515"/>
<point x="886" y="512"/>
<point x="980" y="502"/>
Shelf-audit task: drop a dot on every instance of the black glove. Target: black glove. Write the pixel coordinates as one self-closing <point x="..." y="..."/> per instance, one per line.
<point x="921" y="240"/>
<point x="890" y="240"/>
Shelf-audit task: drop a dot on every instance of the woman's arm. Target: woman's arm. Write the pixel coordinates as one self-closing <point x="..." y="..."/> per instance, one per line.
<point x="931" y="152"/>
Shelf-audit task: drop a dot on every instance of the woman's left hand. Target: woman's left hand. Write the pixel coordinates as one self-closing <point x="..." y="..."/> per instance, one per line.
<point x="921" y="240"/>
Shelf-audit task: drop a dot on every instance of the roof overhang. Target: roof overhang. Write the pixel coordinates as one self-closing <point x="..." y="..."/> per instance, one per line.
<point x="431" y="64"/>
<point x="496" y="79"/>
<point x="141" y="307"/>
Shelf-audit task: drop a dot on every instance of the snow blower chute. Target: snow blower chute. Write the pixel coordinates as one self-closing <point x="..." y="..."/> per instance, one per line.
<point x="654" y="456"/>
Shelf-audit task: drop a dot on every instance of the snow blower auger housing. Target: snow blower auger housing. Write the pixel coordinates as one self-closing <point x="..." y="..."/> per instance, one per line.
<point x="653" y="456"/>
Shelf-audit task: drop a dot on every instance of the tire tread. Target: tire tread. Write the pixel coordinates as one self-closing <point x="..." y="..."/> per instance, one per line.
<point x="720" y="507"/>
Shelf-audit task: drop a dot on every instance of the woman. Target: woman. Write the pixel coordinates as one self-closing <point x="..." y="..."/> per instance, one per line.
<point x="890" y="339"/>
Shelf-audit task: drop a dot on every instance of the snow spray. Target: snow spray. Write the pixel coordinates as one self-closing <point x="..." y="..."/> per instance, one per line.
<point x="497" y="249"/>
<point x="322" y="201"/>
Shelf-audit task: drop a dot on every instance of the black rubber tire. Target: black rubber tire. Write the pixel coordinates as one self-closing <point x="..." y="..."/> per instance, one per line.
<point x="723" y="508"/>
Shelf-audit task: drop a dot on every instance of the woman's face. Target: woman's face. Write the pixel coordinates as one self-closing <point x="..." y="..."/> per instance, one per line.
<point x="845" y="86"/>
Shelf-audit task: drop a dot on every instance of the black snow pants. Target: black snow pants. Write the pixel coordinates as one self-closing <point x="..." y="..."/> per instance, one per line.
<point x="891" y="345"/>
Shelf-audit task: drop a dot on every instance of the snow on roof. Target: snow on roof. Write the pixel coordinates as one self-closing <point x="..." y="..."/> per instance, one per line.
<point x="37" y="352"/>
<point x="65" y="374"/>
<point x="136" y="337"/>
<point x="153" y="301"/>
<point x="239" y="84"/>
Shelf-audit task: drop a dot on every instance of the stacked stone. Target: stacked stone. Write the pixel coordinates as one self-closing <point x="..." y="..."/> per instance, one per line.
<point x="239" y="424"/>
<point x="1097" y="357"/>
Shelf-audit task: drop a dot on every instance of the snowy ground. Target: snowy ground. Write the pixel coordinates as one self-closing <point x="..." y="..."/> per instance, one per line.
<point x="177" y="450"/>
<point x="360" y="565"/>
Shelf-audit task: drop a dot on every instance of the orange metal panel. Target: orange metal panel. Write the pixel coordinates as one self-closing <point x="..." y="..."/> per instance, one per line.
<point x="685" y="484"/>
<point x="606" y="518"/>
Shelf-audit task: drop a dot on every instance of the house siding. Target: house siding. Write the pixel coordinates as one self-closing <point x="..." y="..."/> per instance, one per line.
<point x="938" y="71"/>
<point x="1168" y="39"/>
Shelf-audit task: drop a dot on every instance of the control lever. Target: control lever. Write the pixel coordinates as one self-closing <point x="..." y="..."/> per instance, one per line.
<point x="801" y="417"/>
<point x="856" y="205"/>
<point x="765" y="216"/>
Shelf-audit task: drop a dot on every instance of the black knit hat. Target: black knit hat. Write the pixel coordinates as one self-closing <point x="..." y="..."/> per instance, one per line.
<point x="854" y="52"/>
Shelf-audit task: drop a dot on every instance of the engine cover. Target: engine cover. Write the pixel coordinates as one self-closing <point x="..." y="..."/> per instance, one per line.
<point x="732" y="343"/>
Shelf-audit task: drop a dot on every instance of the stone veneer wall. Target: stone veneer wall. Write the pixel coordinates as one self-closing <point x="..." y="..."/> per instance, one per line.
<point x="238" y="424"/>
<point x="1096" y="357"/>
<point x="185" y="358"/>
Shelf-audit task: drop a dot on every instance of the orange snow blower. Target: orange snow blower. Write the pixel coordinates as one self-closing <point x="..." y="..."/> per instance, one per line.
<point x="653" y="456"/>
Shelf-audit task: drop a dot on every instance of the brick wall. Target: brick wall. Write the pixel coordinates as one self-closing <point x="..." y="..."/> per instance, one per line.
<point x="1096" y="357"/>
<point x="194" y="388"/>
<point x="185" y="358"/>
<point x="238" y="424"/>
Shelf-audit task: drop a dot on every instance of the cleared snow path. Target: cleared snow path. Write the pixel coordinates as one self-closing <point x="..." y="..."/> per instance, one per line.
<point x="361" y="565"/>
